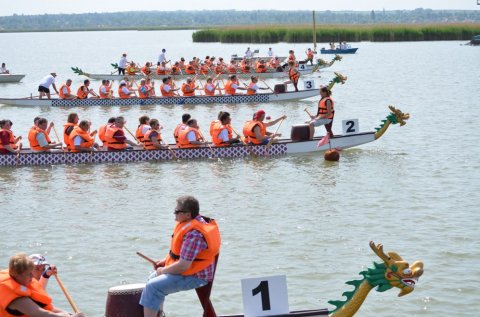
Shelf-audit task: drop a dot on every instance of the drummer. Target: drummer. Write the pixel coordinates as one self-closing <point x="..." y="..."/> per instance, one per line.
<point x="191" y="261"/>
<point x="22" y="295"/>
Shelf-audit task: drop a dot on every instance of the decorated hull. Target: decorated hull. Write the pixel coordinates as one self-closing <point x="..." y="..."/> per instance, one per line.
<point x="340" y="51"/>
<point x="284" y="147"/>
<point x="8" y="78"/>
<point x="305" y="71"/>
<point x="299" y="313"/>
<point x="268" y="97"/>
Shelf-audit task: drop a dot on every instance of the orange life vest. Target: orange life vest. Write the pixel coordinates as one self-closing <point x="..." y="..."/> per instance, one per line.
<point x="251" y="91"/>
<point x="218" y="69"/>
<point x="206" y="257"/>
<point x="10" y="290"/>
<point x="183" y="141"/>
<point x="232" y="69"/>
<point x="208" y="92"/>
<point x="32" y="138"/>
<point x="131" y="70"/>
<point x="111" y="141"/>
<point x="176" y="132"/>
<point x="164" y="92"/>
<point x="105" y="94"/>
<point x="67" y="130"/>
<point x="147" y="142"/>
<point x="175" y="70"/>
<point x="146" y="70"/>
<point x="229" y="90"/>
<point x="188" y="90"/>
<point x="61" y="94"/>
<point x="245" y="69"/>
<point x="217" y="128"/>
<point x="261" y="68"/>
<point x="250" y="134"/>
<point x="310" y="55"/>
<point x="293" y="74"/>
<point x="139" y="134"/>
<point x="291" y="57"/>
<point x="87" y="139"/>
<point x="81" y="94"/>
<point x="11" y="141"/>
<point x="161" y="70"/>
<point x="323" y="109"/>
<point x="101" y="133"/>
<point x="122" y="94"/>
<point x="190" y="70"/>
<point x="141" y="94"/>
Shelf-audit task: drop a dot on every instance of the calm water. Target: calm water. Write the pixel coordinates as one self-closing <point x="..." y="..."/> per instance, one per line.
<point x="416" y="190"/>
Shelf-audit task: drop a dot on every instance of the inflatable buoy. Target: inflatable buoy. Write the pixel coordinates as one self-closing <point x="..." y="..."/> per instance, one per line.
<point x="331" y="155"/>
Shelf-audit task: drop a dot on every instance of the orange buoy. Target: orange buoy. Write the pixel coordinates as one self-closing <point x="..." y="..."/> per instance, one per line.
<point x="331" y="155"/>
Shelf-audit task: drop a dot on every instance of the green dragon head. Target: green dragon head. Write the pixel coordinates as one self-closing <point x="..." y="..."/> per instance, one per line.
<point x="397" y="272"/>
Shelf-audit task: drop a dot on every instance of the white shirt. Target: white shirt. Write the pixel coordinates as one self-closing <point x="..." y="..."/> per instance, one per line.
<point x="42" y="141"/>
<point x="123" y="62"/>
<point x="166" y="88"/>
<point x="161" y="58"/>
<point x="270" y="53"/>
<point x="191" y="136"/>
<point x="65" y="90"/>
<point x="209" y="87"/>
<point x="145" y="129"/>
<point x="254" y="87"/>
<point x="3" y="70"/>
<point x="125" y="90"/>
<point x="77" y="140"/>
<point x="223" y="135"/>
<point x="47" y="81"/>
<point x="248" y="53"/>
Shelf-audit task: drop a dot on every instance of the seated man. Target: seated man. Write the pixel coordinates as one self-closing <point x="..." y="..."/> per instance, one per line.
<point x="152" y="140"/>
<point x="166" y="88"/>
<point x="144" y="91"/>
<point x="222" y="131"/>
<point x="255" y="130"/>
<point x="253" y="86"/>
<point x="105" y="90"/>
<point x="8" y="142"/>
<point x="232" y="85"/>
<point x="81" y="140"/>
<point x="84" y="90"/>
<point x="65" y="92"/>
<point x="39" y="139"/>
<point x="22" y="295"/>
<point x="42" y="270"/>
<point x="4" y="70"/>
<point x="124" y="92"/>
<point x="115" y="137"/>
<point x="188" y="88"/>
<point x="190" y="262"/>
<point x="190" y="137"/>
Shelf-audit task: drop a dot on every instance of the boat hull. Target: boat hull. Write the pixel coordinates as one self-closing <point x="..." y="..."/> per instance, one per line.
<point x="284" y="147"/>
<point x="8" y="78"/>
<point x="299" y="313"/>
<point x="339" y="51"/>
<point x="305" y="71"/>
<point x="269" y="97"/>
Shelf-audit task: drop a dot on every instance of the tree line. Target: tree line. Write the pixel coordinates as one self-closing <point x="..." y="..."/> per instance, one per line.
<point x="147" y="20"/>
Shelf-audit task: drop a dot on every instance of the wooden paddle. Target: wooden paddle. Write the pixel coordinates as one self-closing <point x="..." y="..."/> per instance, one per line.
<point x="171" y="151"/>
<point x="133" y="136"/>
<point x="268" y="86"/>
<point x="58" y="139"/>
<point x="152" y="261"/>
<point x="67" y="295"/>
<point x="309" y="114"/>
<point x="209" y="146"/>
<point x="18" y="153"/>
<point x="269" y="144"/>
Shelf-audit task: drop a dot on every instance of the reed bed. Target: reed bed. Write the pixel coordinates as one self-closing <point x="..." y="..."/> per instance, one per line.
<point x="336" y="33"/>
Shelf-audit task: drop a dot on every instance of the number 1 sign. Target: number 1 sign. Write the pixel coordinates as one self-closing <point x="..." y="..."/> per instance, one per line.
<point x="265" y="296"/>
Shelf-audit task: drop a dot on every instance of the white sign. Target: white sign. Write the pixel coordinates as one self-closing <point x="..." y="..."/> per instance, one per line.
<point x="301" y="66"/>
<point x="309" y="84"/>
<point x="350" y="126"/>
<point x="265" y="296"/>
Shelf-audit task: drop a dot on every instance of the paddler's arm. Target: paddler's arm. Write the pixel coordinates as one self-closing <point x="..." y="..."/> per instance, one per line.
<point x="29" y="308"/>
<point x="269" y="124"/>
<point x="55" y="88"/>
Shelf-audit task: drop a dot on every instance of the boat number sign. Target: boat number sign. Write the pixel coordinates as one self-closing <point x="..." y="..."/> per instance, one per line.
<point x="309" y="84"/>
<point x="301" y="66"/>
<point x="265" y="296"/>
<point x="350" y="126"/>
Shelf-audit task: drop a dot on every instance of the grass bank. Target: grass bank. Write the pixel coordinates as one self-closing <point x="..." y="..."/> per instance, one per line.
<point x="335" y="33"/>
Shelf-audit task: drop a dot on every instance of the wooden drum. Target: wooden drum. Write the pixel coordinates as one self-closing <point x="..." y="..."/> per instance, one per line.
<point x="123" y="301"/>
<point x="301" y="132"/>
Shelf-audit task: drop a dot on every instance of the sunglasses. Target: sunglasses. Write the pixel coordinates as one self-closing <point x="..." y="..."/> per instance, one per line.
<point x="176" y="211"/>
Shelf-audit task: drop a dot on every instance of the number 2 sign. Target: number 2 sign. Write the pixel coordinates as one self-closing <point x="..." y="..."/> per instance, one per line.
<point x="265" y="296"/>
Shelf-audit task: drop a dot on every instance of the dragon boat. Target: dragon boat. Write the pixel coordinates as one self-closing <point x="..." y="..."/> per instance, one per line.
<point x="392" y="272"/>
<point x="300" y="142"/>
<point x="10" y="78"/>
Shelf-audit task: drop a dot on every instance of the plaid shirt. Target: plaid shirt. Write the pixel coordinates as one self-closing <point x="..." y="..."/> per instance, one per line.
<point x="193" y="244"/>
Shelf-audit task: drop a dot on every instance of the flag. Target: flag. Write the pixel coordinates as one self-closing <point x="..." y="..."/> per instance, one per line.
<point x="323" y="141"/>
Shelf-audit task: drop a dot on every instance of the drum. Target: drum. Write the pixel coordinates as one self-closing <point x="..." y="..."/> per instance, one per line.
<point x="123" y="301"/>
<point x="280" y="88"/>
<point x="301" y="132"/>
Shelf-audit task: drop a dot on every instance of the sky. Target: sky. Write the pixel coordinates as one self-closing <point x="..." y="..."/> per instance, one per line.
<point x="10" y="7"/>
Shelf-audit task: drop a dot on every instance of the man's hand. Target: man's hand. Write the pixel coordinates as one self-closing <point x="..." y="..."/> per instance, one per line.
<point x="159" y="264"/>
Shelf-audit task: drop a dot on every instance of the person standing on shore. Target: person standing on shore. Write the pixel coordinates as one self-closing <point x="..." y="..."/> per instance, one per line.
<point x="45" y="83"/>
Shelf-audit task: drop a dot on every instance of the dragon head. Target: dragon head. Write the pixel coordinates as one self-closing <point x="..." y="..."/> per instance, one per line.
<point x="337" y="58"/>
<point x="398" y="273"/>
<point x="338" y="79"/>
<point x="397" y="116"/>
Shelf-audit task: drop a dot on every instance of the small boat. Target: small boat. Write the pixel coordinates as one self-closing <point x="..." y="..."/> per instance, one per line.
<point x="300" y="142"/>
<point x="475" y="40"/>
<point x="270" y="74"/>
<point x="10" y="78"/>
<point x="339" y="51"/>
<point x="392" y="272"/>
<point x="194" y="100"/>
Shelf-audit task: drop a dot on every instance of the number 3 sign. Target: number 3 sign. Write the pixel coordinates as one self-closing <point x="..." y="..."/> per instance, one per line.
<point x="265" y="296"/>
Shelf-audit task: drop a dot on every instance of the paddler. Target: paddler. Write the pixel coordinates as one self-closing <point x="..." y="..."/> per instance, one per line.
<point x="142" y="128"/>
<point x="253" y="86"/>
<point x="232" y="85"/>
<point x="210" y="87"/>
<point x="152" y="139"/>
<point x="161" y="68"/>
<point x="103" y="129"/>
<point x="105" y="90"/>
<point x="256" y="132"/>
<point x="222" y="131"/>
<point x="84" y="90"/>
<point x="65" y="91"/>
<point x="72" y="123"/>
<point x="124" y="92"/>
<point x="191" y="261"/>
<point x="81" y="140"/>
<point x="33" y="130"/>
<point x="39" y="139"/>
<point x="166" y="88"/>
<point x="146" y="69"/>
<point x="115" y="136"/>
<point x="42" y="270"/>
<point x="8" y="142"/>
<point x="132" y="68"/>
<point x="190" y="69"/>
<point x="22" y="295"/>
<point x="325" y="112"/>
<point x="190" y="137"/>
<point x="261" y="67"/>
<point x="144" y="91"/>
<point x="188" y="88"/>
<point x="293" y="75"/>
<point x="181" y="126"/>
<point x="45" y="83"/>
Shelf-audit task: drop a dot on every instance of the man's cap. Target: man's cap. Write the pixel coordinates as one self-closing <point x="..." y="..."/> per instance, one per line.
<point x="123" y="82"/>
<point x="259" y="113"/>
<point x="124" y="54"/>
<point x="53" y="74"/>
<point x="38" y="259"/>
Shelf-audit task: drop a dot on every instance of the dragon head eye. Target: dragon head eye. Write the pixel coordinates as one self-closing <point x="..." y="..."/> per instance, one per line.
<point x="407" y="271"/>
